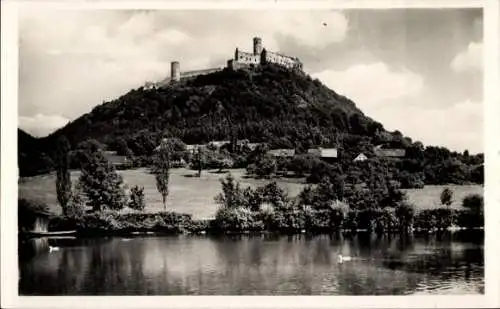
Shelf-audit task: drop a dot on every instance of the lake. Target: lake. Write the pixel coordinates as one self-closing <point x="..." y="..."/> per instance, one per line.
<point x="254" y="265"/>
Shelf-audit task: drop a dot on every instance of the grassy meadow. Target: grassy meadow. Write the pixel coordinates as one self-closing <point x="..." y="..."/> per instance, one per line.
<point x="195" y="195"/>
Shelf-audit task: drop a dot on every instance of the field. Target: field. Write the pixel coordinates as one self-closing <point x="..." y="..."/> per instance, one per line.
<point x="195" y="195"/>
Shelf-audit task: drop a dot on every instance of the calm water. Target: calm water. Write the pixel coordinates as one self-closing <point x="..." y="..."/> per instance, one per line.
<point x="247" y="265"/>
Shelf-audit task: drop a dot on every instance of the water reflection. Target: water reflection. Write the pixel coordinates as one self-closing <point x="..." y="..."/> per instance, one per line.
<point x="253" y="265"/>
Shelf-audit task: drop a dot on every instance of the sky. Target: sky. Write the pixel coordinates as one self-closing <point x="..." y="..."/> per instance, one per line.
<point x="418" y="71"/>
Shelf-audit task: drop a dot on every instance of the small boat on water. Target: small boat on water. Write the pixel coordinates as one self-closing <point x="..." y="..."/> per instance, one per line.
<point x="342" y="259"/>
<point x="49" y="234"/>
<point x="53" y="249"/>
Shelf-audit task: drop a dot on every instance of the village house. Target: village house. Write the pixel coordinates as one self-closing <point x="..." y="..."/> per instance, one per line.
<point x="360" y="158"/>
<point x="283" y="153"/>
<point x="327" y="154"/>
<point x="246" y="143"/>
<point x="219" y="144"/>
<point x="115" y="159"/>
<point x="194" y="147"/>
<point x="253" y="146"/>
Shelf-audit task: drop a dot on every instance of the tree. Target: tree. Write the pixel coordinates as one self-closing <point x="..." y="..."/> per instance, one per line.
<point x="76" y="206"/>
<point x="474" y="203"/>
<point x="161" y="170"/>
<point x="473" y="213"/>
<point x="99" y="181"/>
<point x="232" y="195"/>
<point x="137" y="198"/>
<point x="63" y="175"/>
<point x="199" y="160"/>
<point x="266" y="166"/>
<point x="405" y="214"/>
<point x="122" y="148"/>
<point x="446" y="197"/>
<point x="223" y="162"/>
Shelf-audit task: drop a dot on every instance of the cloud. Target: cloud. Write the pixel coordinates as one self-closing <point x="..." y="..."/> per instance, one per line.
<point x="372" y="85"/>
<point x="41" y="125"/>
<point x="458" y="126"/>
<point x="389" y="97"/>
<point x="470" y="59"/>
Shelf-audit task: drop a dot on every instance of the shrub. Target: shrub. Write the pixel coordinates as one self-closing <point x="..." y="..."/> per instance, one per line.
<point x="405" y="214"/>
<point x="316" y="219"/>
<point x="266" y="167"/>
<point x="289" y="220"/>
<point x="385" y="220"/>
<point x="113" y="221"/>
<point x="446" y="197"/>
<point x="474" y="203"/>
<point x="137" y="198"/>
<point x="273" y="194"/>
<point x="366" y="219"/>
<point x="435" y="219"/>
<point x="237" y="220"/>
<point x="232" y="195"/>
<point x="338" y="214"/>
<point x="196" y="226"/>
<point x="473" y="213"/>
<point x="351" y="220"/>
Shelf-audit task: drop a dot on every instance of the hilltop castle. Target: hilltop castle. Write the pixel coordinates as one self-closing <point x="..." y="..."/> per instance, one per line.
<point x="241" y="60"/>
<point x="261" y="56"/>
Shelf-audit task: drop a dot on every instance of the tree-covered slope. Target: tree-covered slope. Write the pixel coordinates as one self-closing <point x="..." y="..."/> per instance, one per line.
<point x="267" y="104"/>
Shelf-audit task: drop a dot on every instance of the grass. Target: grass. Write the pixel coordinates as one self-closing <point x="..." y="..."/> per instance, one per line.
<point x="195" y="195"/>
<point x="429" y="196"/>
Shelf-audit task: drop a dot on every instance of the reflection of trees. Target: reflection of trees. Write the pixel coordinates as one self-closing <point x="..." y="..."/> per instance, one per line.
<point x="447" y="261"/>
<point x="265" y="265"/>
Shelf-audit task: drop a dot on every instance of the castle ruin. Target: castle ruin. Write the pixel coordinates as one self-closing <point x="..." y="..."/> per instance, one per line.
<point x="241" y="60"/>
<point x="261" y="56"/>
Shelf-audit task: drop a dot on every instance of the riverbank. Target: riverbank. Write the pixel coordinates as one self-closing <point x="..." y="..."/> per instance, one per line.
<point x="242" y="221"/>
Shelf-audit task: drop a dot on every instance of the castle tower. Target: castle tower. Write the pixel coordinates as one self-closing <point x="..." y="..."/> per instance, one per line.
<point x="257" y="46"/>
<point x="175" y="71"/>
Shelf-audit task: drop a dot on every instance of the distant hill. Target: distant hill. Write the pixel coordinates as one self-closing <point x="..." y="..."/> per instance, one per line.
<point x="283" y="108"/>
<point x="31" y="159"/>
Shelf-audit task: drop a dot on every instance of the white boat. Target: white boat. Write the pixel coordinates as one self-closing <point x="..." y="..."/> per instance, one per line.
<point x="342" y="259"/>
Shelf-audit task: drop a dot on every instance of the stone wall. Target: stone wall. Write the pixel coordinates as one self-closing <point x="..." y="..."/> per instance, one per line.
<point x="247" y="58"/>
<point x="282" y="60"/>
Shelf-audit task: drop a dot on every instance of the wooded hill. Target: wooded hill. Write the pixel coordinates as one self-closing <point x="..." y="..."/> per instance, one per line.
<point x="282" y="108"/>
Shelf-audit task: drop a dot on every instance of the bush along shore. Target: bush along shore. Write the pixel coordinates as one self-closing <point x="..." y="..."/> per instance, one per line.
<point x="331" y="206"/>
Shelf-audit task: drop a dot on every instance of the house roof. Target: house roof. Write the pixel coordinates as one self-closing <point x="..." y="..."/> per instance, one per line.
<point x="282" y="152"/>
<point x="195" y="146"/>
<point x="116" y="159"/>
<point x="324" y="152"/>
<point x="219" y="143"/>
<point x="252" y="145"/>
<point x="360" y="156"/>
